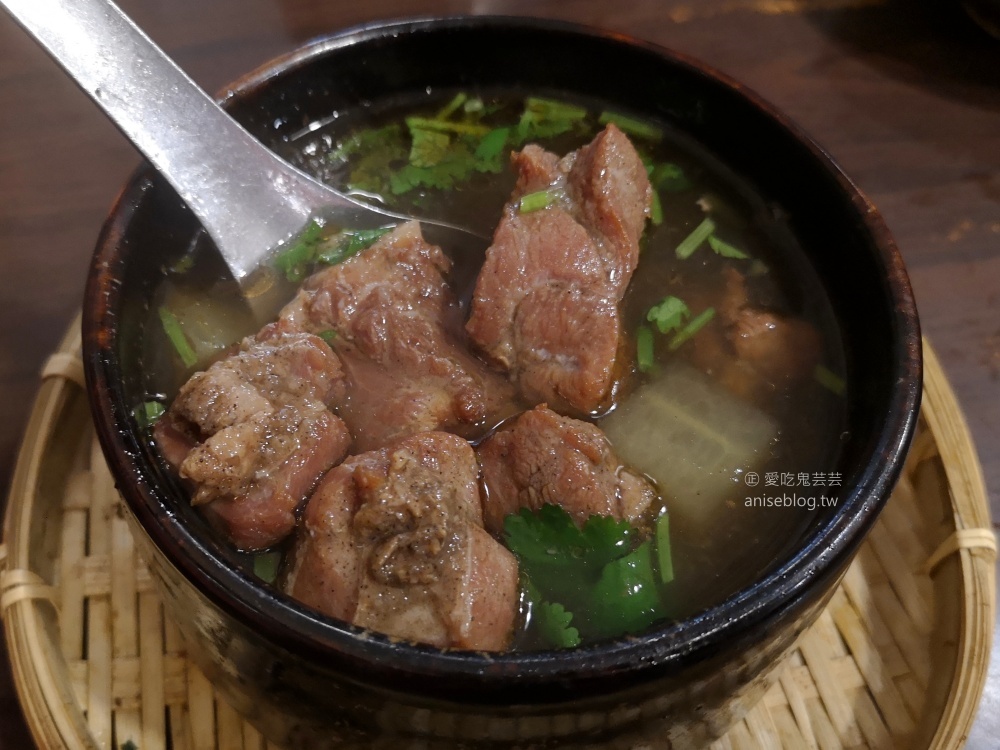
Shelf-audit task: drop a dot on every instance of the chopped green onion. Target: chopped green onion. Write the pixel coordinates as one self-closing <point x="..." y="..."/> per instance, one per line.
<point x="449" y="109"/>
<point x="539" y="200"/>
<point x="329" y="335"/>
<point x="830" y="380"/>
<point x="152" y="410"/>
<point x="175" y="333"/>
<point x="669" y="315"/>
<point x="473" y="106"/>
<point x="148" y="412"/>
<point x="350" y="242"/>
<point x="725" y="249"/>
<point x="696" y="324"/>
<point x="445" y="126"/>
<point x="265" y="566"/>
<point x="553" y="109"/>
<point x="757" y="268"/>
<point x="693" y="241"/>
<point x="644" y="355"/>
<point x="664" y="559"/>
<point x="632" y="126"/>
<point x="656" y="209"/>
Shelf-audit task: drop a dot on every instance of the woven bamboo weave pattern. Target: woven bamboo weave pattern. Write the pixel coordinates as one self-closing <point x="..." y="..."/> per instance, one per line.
<point x="893" y="662"/>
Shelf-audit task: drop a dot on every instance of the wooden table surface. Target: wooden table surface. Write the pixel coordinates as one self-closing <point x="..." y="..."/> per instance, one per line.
<point x="905" y="94"/>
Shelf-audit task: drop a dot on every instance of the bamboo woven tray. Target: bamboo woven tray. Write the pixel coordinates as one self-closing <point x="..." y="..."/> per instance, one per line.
<point x="897" y="660"/>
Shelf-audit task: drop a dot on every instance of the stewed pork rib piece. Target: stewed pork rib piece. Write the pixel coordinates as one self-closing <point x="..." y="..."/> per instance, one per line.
<point x="546" y="303"/>
<point x="393" y="540"/>
<point x="542" y="457"/>
<point x="252" y="434"/>
<point x="754" y="352"/>
<point x="397" y="327"/>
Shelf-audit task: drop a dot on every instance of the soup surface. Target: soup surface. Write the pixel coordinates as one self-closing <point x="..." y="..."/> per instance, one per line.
<point x="725" y="397"/>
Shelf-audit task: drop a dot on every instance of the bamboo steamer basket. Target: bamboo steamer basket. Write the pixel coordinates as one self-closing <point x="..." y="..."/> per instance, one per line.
<point x="897" y="659"/>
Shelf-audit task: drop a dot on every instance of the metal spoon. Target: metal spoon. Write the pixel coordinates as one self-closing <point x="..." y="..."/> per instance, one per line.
<point x="246" y="197"/>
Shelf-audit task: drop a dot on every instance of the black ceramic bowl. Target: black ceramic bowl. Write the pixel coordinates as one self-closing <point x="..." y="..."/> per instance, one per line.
<point x="308" y="681"/>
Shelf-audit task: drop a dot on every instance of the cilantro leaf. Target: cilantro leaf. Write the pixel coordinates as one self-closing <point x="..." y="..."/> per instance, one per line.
<point x="550" y="537"/>
<point x="367" y="140"/>
<point x="626" y="598"/>
<point x="544" y="118"/>
<point x="547" y="536"/>
<point x="428" y="148"/>
<point x="606" y="539"/>
<point x="378" y="152"/>
<point x="553" y="622"/>
<point x="668" y="176"/>
<point x="669" y="314"/>
<point x="456" y="165"/>
<point x="585" y="581"/>
<point x="295" y="261"/>
<point x="490" y="151"/>
<point x="561" y="559"/>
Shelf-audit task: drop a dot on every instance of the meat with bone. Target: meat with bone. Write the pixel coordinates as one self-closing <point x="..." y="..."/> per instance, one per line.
<point x="252" y="434"/>
<point x="399" y="334"/>
<point x="546" y="303"/>
<point x="393" y="540"/>
<point x="541" y="457"/>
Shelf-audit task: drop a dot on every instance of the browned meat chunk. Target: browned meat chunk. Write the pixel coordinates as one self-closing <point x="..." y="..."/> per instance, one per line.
<point x="392" y="540"/>
<point x="399" y="333"/>
<point x="755" y="352"/>
<point x="545" y="458"/>
<point x="545" y="306"/>
<point x="252" y="433"/>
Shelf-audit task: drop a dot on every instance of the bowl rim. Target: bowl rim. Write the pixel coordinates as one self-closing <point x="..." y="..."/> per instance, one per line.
<point x="302" y="631"/>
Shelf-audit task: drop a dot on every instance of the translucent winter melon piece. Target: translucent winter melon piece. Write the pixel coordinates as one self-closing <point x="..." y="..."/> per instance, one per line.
<point x="210" y="324"/>
<point x="692" y="436"/>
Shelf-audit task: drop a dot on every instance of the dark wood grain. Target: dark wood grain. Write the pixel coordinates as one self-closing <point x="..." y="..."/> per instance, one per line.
<point x="905" y="94"/>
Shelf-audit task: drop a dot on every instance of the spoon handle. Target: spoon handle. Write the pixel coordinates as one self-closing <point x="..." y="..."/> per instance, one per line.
<point x="247" y="198"/>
